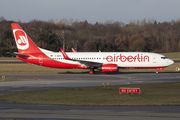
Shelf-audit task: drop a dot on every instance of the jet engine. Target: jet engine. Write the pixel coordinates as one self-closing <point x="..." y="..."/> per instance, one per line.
<point x="109" y="68"/>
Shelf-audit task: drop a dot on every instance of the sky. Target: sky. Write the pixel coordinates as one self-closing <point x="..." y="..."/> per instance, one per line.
<point x="91" y="10"/>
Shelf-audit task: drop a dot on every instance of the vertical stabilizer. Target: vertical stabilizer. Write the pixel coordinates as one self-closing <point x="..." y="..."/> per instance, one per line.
<point x="24" y="43"/>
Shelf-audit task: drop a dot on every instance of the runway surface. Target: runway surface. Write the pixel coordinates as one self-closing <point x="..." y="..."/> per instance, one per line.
<point x="55" y="81"/>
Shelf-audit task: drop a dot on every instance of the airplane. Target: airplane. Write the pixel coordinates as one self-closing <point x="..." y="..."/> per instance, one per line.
<point x="104" y="61"/>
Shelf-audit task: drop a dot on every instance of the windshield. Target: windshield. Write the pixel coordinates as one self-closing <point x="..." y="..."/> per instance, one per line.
<point x="164" y="57"/>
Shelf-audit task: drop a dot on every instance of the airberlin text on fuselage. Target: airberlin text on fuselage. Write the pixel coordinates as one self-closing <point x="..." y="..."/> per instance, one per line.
<point x="130" y="58"/>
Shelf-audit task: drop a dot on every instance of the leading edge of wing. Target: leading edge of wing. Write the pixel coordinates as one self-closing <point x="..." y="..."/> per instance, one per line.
<point x="88" y="63"/>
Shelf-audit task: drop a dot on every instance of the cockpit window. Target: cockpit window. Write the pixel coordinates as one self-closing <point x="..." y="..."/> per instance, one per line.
<point x="163" y="57"/>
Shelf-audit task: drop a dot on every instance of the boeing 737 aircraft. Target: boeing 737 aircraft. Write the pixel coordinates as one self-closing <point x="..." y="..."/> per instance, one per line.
<point x="104" y="61"/>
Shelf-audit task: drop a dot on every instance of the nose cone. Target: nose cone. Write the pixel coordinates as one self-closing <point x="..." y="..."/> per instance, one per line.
<point x="171" y="62"/>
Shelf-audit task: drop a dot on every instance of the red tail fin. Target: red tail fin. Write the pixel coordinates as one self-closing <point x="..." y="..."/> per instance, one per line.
<point x="24" y="43"/>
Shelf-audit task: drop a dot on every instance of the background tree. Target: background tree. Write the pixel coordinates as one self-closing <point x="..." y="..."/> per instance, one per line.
<point x="146" y="35"/>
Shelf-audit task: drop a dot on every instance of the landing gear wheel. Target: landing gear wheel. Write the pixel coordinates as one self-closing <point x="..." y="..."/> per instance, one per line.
<point x="157" y="72"/>
<point x="91" y="71"/>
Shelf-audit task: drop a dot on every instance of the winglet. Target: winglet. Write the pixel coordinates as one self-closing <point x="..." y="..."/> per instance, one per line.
<point x="64" y="54"/>
<point x="73" y="50"/>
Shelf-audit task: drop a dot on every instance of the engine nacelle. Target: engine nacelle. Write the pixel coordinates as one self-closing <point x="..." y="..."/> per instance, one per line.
<point x="109" y="68"/>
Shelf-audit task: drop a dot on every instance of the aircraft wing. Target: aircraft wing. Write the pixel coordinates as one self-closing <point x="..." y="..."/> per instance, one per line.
<point x="87" y="63"/>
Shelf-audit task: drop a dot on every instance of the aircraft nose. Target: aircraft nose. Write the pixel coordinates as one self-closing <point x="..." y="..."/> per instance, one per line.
<point x="171" y="62"/>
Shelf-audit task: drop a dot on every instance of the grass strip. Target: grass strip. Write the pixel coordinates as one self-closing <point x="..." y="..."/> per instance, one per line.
<point x="151" y="94"/>
<point x="174" y="55"/>
<point x="33" y="69"/>
<point x="14" y="79"/>
<point x="9" y="59"/>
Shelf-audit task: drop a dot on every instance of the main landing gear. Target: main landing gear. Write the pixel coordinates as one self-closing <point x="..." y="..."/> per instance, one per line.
<point x="157" y="71"/>
<point x="91" y="71"/>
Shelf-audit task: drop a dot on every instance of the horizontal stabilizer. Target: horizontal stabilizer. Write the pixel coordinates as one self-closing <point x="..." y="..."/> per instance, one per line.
<point x="21" y="55"/>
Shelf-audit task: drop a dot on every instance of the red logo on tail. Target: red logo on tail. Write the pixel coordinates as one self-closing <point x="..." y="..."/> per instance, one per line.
<point x="21" y="39"/>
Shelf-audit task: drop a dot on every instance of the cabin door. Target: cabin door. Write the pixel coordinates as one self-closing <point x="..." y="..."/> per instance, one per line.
<point x="40" y="59"/>
<point x="154" y="59"/>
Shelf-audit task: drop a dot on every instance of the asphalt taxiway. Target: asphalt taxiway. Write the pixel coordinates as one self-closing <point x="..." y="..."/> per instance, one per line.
<point x="55" y="81"/>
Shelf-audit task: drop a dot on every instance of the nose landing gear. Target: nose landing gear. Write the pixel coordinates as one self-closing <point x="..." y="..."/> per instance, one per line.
<point x="160" y="68"/>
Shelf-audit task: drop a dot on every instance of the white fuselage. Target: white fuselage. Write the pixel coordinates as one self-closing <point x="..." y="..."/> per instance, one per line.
<point x="122" y="59"/>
